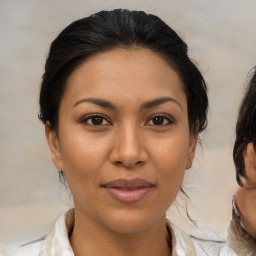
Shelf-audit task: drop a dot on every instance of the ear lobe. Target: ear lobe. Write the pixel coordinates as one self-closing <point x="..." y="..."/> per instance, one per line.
<point x="53" y="143"/>
<point x="192" y="146"/>
<point x="191" y="151"/>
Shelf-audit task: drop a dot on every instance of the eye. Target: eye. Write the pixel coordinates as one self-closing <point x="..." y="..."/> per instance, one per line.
<point x="95" y="120"/>
<point x="160" y="120"/>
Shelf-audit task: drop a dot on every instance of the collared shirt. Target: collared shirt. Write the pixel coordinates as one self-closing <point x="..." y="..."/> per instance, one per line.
<point x="57" y="242"/>
<point x="201" y="242"/>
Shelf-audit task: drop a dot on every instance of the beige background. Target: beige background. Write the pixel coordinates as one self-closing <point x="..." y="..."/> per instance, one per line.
<point x="221" y="38"/>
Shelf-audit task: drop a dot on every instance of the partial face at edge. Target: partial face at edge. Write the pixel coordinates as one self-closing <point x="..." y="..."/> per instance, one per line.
<point x="123" y="116"/>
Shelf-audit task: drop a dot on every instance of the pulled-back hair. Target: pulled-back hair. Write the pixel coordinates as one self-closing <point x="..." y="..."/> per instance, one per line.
<point x="119" y="28"/>
<point x="245" y="127"/>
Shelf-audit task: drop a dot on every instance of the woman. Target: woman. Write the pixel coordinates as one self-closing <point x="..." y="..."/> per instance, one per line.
<point x="122" y="106"/>
<point x="245" y="161"/>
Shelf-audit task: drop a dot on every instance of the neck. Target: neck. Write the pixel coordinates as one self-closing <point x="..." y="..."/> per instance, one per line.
<point x="91" y="238"/>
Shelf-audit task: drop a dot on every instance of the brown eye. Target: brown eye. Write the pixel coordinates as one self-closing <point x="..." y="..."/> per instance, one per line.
<point x="95" y="120"/>
<point x="160" y="120"/>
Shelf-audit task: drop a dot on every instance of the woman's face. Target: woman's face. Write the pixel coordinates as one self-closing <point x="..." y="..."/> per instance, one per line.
<point x="123" y="138"/>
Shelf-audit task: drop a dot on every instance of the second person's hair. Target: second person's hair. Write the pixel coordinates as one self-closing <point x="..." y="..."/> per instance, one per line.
<point x="245" y="127"/>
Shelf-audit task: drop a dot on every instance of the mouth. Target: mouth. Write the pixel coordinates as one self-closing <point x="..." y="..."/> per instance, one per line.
<point x="128" y="191"/>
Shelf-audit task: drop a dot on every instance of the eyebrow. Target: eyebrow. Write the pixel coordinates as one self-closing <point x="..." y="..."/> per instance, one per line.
<point x="159" y="101"/>
<point x="97" y="101"/>
<point x="148" y="104"/>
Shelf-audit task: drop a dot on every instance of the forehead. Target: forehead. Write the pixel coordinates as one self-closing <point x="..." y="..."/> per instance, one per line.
<point x="125" y="73"/>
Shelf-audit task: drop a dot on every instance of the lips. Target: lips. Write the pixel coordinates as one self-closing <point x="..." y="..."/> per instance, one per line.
<point x="128" y="191"/>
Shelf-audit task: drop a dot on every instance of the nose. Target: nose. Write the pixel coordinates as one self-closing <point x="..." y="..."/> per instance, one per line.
<point x="128" y="148"/>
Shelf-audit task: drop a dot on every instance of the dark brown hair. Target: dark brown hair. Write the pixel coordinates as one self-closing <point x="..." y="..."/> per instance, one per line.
<point x="246" y="126"/>
<point x="106" y="30"/>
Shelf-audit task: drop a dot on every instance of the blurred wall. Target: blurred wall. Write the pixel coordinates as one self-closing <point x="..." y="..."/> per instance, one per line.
<point x="221" y="38"/>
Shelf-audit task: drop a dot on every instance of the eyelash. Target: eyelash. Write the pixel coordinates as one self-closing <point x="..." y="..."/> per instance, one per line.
<point x="85" y="120"/>
<point x="166" y="119"/>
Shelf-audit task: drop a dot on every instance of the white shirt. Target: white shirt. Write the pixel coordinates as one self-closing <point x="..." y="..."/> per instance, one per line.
<point x="201" y="242"/>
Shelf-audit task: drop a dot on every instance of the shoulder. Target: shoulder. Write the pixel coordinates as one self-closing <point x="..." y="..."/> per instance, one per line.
<point x="209" y="242"/>
<point x="24" y="227"/>
<point x="242" y="242"/>
<point x="200" y="241"/>
<point x="31" y="249"/>
<point x="57" y="241"/>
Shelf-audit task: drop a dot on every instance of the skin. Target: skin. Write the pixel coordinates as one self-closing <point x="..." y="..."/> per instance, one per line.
<point x="127" y="144"/>
<point x="246" y="195"/>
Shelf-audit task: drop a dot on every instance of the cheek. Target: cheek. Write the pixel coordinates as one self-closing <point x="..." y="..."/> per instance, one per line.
<point x="83" y="156"/>
<point x="83" y="160"/>
<point x="170" y="160"/>
<point x="171" y="153"/>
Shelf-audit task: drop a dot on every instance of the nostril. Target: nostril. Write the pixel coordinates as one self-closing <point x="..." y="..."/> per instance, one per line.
<point x="129" y="165"/>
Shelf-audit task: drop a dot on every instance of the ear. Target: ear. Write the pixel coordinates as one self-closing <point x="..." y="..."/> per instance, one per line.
<point x="249" y="155"/>
<point x="53" y="143"/>
<point x="192" y="146"/>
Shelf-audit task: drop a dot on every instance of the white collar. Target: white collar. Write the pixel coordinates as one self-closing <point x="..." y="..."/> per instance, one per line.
<point x="57" y="242"/>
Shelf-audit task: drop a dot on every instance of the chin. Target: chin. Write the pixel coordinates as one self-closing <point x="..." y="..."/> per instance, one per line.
<point x="131" y="223"/>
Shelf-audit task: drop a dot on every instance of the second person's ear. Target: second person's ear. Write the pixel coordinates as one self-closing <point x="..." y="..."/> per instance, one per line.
<point x="249" y="155"/>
